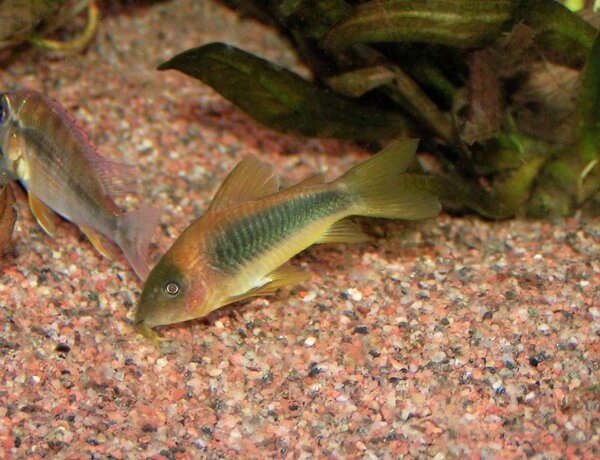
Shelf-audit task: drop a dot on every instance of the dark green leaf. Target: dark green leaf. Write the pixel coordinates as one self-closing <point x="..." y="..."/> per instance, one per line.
<point x="548" y="200"/>
<point x="313" y="17"/>
<point x="283" y="100"/>
<point x="588" y="105"/>
<point x="413" y="99"/>
<point x="428" y="75"/>
<point x="458" y="23"/>
<point x="512" y="191"/>
<point x="563" y="35"/>
<point x="588" y="108"/>
<point x="258" y="9"/>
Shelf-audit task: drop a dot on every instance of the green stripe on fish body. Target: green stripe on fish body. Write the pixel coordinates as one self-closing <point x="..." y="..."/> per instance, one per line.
<point x="240" y="242"/>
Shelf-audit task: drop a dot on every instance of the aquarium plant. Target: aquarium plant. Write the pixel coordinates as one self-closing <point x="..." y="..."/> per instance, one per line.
<point x="504" y="94"/>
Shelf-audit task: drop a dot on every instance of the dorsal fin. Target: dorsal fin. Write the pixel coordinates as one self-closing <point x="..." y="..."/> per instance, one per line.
<point x="310" y="180"/>
<point x="250" y="180"/>
<point x="117" y="178"/>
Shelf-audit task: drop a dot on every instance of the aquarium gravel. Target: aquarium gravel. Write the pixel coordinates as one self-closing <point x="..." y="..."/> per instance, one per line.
<point x="455" y="337"/>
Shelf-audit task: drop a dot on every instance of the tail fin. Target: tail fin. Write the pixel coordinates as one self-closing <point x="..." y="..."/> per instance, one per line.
<point x="380" y="191"/>
<point x="136" y="231"/>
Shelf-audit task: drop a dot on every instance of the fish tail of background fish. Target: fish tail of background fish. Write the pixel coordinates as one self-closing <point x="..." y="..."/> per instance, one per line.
<point x="378" y="189"/>
<point x="135" y="232"/>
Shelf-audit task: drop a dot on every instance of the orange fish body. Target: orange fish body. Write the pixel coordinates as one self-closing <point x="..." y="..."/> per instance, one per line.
<point x="239" y="247"/>
<point x="44" y="149"/>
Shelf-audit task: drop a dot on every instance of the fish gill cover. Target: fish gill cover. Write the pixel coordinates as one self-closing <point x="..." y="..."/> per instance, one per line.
<point x="505" y="94"/>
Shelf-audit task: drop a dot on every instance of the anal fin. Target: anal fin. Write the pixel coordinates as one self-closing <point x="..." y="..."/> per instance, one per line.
<point x="43" y="214"/>
<point x="344" y="231"/>
<point x="102" y="244"/>
<point x="283" y="276"/>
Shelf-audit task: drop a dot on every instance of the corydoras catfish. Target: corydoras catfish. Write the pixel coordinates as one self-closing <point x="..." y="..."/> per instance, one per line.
<point x="44" y="149"/>
<point x="239" y="247"/>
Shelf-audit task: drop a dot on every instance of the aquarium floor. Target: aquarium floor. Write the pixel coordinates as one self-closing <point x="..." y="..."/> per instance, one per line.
<point x="455" y="337"/>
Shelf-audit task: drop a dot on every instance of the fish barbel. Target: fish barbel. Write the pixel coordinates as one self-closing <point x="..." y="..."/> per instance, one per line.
<point x="239" y="247"/>
<point x="43" y="148"/>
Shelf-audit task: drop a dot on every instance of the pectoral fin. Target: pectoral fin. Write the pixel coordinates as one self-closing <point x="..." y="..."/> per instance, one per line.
<point x="151" y="334"/>
<point x="344" y="231"/>
<point x="283" y="276"/>
<point x="43" y="214"/>
<point x="104" y="246"/>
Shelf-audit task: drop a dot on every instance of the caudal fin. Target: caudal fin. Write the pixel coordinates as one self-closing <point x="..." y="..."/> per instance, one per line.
<point x="137" y="229"/>
<point x="380" y="189"/>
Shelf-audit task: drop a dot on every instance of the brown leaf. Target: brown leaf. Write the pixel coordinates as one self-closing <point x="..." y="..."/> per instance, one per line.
<point x="8" y="216"/>
<point x="545" y="104"/>
<point x="485" y="109"/>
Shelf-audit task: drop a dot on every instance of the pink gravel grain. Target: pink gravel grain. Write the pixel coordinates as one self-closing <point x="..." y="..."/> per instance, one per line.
<point x="455" y="337"/>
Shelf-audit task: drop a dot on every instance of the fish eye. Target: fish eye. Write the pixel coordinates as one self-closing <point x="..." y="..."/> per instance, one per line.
<point x="172" y="288"/>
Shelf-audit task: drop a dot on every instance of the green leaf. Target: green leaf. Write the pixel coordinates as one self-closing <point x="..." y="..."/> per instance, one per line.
<point x="512" y="191"/>
<point x="548" y="200"/>
<point x="588" y="105"/>
<point x="413" y="99"/>
<point x="358" y="82"/>
<point x="457" y="23"/>
<point x="563" y="35"/>
<point x="400" y="87"/>
<point x="257" y="9"/>
<point x="283" y="100"/>
<point x="424" y="71"/>
<point x="588" y="112"/>
<point x="313" y="17"/>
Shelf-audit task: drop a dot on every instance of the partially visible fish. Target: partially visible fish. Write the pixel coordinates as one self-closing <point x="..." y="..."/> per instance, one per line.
<point x="8" y="215"/>
<point x="43" y="148"/>
<point x="239" y="247"/>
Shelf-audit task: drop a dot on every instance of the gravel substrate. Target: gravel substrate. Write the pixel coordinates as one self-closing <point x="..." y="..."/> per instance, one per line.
<point x="455" y="337"/>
